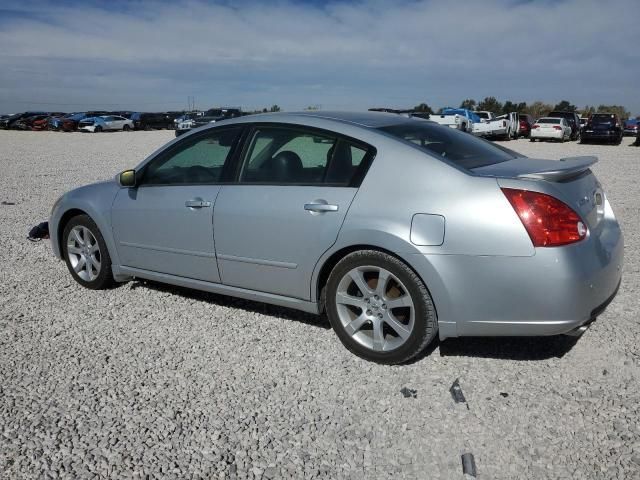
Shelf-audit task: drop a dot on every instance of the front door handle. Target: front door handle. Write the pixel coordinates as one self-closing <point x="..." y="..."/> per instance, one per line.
<point x="196" y="204"/>
<point x="320" y="207"/>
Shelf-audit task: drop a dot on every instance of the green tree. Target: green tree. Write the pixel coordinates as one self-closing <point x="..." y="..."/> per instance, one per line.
<point x="490" y="104"/>
<point x="469" y="104"/>
<point x="313" y="107"/>
<point x="423" y="108"/>
<point x="539" y="109"/>
<point x="622" y="112"/>
<point x="565" y="106"/>
<point x="274" y="108"/>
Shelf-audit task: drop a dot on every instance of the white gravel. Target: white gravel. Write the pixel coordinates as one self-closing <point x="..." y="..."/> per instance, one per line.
<point x="146" y="381"/>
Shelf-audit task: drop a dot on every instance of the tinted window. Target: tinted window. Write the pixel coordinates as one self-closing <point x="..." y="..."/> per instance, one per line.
<point x="549" y="120"/>
<point x="287" y="156"/>
<point x="600" y="118"/>
<point x="195" y="160"/>
<point x="460" y="148"/>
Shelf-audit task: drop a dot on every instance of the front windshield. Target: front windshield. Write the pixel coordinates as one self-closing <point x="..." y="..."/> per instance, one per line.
<point x="462" y="149"/>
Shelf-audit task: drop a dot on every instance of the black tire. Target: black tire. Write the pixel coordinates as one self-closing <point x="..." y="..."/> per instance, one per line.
<point x="425" y="322"/>
<point x="98" y="129"/>
<point x="126" y="128"/>
<point x="104" y="278"/>
<point x="532" y="139"/>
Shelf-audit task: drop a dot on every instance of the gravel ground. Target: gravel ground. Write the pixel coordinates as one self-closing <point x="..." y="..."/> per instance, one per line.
<point x="157" y="382"/>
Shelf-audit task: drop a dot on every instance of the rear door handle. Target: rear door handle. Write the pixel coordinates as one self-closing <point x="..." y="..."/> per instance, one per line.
<point x="320" y="207"/>
<point x="196" y="204"/>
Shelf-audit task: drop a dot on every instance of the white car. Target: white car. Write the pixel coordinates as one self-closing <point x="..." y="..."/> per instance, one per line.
<point x="105" y="123"/>
<point x="549" y="128"/>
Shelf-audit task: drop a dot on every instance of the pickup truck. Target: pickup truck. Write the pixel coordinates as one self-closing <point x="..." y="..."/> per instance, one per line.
<point x="458" y="118"/>
<point x="505" y="126"/>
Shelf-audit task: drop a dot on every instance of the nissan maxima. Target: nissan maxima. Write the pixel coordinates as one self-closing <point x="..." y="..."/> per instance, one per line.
<point x="398" y="228"/>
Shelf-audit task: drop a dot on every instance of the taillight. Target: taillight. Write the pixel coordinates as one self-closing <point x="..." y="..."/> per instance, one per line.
<point x="535" y="125"/>
<point x="548" y="221"/>
<point x="556" y="127"/>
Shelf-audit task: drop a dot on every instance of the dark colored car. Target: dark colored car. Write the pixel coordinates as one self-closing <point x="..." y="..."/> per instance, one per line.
<point x="573" y="119"/>
<point x="525" y="121"/>
<point x="637" y="142"/>
<point x="603" y="127"/>
<point x="14" y="119"/>
<point x="148" y="121"/>
<point x="33" y="122"/>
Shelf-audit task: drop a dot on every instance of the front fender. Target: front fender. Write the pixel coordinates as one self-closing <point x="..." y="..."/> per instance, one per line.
<point x="94" y="200"/>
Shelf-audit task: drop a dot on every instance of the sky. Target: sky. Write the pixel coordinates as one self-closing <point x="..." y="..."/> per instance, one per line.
<point x="150" y="55"/>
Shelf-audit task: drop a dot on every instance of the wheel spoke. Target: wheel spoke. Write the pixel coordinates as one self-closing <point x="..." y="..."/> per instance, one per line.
<point x="346" y="299"/>
<point x="356" y="324"/>
<point x="94" y="248"/>
<point x="358" y="279"/>
<point x="74" y="250"/>
<point x="80" y="265"/>
<point x="383" y="279"/>
<point x="402" y="330"/>
<point x="95" y="261"/>
<point x="76" y="236"/>
<point x="378" y="336"/>
<point x="403" y="301"/>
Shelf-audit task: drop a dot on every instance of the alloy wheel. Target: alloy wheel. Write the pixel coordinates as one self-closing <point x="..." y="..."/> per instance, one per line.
<point x="375" y="308"/>
<point x="83" y="251"/>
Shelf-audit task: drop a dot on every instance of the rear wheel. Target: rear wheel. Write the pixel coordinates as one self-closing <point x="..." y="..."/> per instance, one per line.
<point x="379" y="308"/>
<point x="126" y="128"/>
<point x="86" y="254"/>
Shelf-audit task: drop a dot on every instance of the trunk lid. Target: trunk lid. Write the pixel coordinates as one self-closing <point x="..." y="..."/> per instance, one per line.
<point x="570" y="177"/>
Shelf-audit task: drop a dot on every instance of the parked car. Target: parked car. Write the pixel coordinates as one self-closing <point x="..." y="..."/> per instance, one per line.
<point x="572" y="118"/>
<point x="458" y="118"/>
<point x="548" y="128"/>
<point x="11" y="122"/>
<point x="212" y="115"/>
<point x="71" y="121"/>
<point x="105" y="123"/>
<point x="148" y="121"/>
<point x="33" y="122"/>
<point x="306" y="217"/>
<point x="525" y="122"/>
<point x="631" y="127"/>
<point x="490" y="126"/>
<point x="603" y="127"/>
<point x="637" y="142"/>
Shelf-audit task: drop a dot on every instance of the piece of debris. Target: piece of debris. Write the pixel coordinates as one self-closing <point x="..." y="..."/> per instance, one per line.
<point x="409" y="392"/>
<point x="456" y="393"/>
<point x="39" y="232"/>
<point x="468" y="465"/>
<point x="7" y="203"/>
<point x="504" y="394"/>
<point x="604" y="372"/>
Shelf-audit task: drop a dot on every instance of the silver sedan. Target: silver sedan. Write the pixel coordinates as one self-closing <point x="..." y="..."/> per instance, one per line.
<point x="397" y="228"/>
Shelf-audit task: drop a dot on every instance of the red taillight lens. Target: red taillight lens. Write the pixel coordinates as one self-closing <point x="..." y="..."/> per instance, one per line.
<point x="557" y="128"/>
<point x="535" y="125"/>
<point x="548" y="221"/>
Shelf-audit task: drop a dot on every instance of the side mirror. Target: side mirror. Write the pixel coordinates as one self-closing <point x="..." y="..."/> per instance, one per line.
<point x="127" y="178"/>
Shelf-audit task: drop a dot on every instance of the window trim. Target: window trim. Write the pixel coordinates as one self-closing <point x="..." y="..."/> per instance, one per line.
<point x="355" y="181"/>
<point x="226" y="175"/>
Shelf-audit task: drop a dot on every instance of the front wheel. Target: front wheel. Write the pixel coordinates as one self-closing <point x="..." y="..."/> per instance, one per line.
<point x="86" y="254"/>
<point x="98" y="129"/>
<point x="126" y="128"/>
<point x="379" y="308"/>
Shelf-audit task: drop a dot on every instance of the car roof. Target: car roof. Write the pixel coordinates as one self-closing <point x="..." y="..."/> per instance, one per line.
<point x="362" y="119"/>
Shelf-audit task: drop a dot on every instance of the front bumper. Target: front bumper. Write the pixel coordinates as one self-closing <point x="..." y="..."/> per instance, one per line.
<point x="90" y="128"/>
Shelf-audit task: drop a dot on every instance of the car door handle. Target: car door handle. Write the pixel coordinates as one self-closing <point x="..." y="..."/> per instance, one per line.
<point x="320" y="207"/>
<point x="196" y="204"/>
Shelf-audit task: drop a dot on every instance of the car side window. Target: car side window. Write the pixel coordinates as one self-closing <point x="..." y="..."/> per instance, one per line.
<point x="196" y="160"/>
<point x="287" y="156"/>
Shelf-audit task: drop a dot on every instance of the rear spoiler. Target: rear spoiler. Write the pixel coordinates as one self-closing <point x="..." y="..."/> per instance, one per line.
<point x="566" y="168"/>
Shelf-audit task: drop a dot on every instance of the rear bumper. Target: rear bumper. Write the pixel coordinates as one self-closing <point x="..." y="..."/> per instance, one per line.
<point x="554" y="134"/>
<point x="553" y="292"/>
<point x="601" y="135"/>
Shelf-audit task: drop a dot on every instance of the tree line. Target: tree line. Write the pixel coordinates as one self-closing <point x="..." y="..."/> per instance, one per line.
<point x="536" y="109"/>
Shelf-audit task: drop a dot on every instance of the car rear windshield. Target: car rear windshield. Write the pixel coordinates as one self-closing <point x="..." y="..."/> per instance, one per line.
<point x="459" y="148"/>
<point x="549" y="120"/>
<point x="600" y="118"/>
